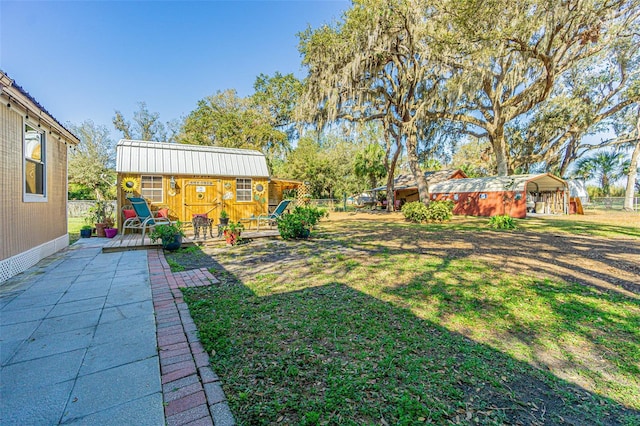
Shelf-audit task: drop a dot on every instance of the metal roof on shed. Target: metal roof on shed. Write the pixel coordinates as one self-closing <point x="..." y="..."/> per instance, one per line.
<point x="405" y="181"/>
<point x="179" y="159"/>
<point x="539" y="183"/>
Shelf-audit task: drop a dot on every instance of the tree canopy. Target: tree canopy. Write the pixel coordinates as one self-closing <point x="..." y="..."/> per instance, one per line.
<point x="227" y="120"/>
<point x="146" y="125"/>
<point x="91" y="162"/>
<point x="369" y="164"/>
<point x="483" y="68"/>
<point x="279" y="95"/>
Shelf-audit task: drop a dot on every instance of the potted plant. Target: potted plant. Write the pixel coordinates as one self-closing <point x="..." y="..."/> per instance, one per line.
<point x="224" y="218"/>
<point x="85" y="231"/>
<point x="232" y="232"/>
<point x="109" y="229"/>
<point x="99" y="214"/>
<point x="170" y="235"/>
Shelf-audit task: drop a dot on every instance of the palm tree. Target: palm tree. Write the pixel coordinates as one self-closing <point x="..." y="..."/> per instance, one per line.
<point x="606" y="167"/>
<point x="369" y="163"/>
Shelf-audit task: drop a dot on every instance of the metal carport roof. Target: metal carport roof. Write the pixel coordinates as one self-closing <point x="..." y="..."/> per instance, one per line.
<point x="539" y="183"/>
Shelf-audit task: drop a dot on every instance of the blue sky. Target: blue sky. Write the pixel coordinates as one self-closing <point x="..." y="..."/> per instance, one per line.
<point x="85" y="59"/>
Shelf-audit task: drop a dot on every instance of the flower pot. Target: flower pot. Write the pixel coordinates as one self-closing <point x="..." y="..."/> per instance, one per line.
<point x="224" y="221"/>
<point x="100" y="230"/>
<point x="172" y="244"/>
<point x="110" y="232"/>
<point x="85" y="233"/>
<point x="231" y="237"/>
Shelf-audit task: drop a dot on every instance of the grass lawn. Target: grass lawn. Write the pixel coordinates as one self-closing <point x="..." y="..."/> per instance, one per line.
<point x="377" y="321"/>
<point x="73" y="227"/>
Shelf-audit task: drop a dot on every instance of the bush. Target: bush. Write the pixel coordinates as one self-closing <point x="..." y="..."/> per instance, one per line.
<point x="502" y="222"/>
<point x="440" y="211"/>
<point x="298" y="224"/>
<point x="166" y="233"/>
<point x="415" y="211"/>
<point x="436" y="211"/>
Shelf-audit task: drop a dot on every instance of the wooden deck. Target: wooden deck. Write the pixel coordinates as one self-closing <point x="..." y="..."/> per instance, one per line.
<point x="133" y="241"/>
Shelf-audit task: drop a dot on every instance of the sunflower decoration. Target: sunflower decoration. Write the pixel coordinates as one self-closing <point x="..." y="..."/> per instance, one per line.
<point x="258" y="188"/>
<point x="130" y="184"/>
<point x="258" y="192"/>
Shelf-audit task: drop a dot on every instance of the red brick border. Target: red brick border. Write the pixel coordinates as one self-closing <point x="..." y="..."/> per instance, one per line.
<point x="191" y="390"/>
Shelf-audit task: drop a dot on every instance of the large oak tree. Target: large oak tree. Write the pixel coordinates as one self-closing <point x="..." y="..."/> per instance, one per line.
<point x="481" y="64"/>
<point x="377" y="64"/>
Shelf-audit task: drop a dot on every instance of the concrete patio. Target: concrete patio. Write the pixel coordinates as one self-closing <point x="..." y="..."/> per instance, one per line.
<point x="84" y="340"/>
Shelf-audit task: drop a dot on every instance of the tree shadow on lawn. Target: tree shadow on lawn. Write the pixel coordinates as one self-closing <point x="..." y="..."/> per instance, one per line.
<point x="467" y="282"/>
<point x="564" y="303"/>
<point x="333" y="355"/>
<point x="606" y="264"/>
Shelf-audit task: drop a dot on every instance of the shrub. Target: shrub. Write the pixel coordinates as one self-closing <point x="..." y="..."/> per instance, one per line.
<point x="298" y="224"/>
<point x="166" y="233"/>
<point x="440" y="211"/>
<point x="436" y="211"/>
<point x="415" y="211"/>
<point x="502" y="222"/>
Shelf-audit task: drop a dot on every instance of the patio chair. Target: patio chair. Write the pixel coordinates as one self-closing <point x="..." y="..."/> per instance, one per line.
<point x="269" y="218"/>
<point x="143" y="217"/>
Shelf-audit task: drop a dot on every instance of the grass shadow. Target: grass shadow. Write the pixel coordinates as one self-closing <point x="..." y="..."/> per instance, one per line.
<point x="390" y="321"/>
<point x="331" y="354"/>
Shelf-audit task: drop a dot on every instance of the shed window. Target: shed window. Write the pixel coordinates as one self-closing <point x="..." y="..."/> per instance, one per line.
<point x="243" y="189"/>
<point x="35" y="170"/>
<point x="151" y="188"/>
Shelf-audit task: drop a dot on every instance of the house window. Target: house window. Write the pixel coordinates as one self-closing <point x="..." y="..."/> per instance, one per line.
<point x="243" y="189"/>
<point x="151" y="188"/>
<point x="35" y="170"/>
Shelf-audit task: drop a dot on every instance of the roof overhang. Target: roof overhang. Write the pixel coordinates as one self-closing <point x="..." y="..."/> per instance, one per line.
<point x="16" y="97"/>
<point x="287" y="183"/>
<point x="544" y="183"/>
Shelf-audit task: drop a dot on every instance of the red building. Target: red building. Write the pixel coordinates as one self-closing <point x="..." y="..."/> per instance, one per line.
<point x="515" y="195"/>
<point x="405" y="188"/>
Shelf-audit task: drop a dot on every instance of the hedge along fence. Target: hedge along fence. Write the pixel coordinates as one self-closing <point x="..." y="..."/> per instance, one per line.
<point x="80" y="208"/>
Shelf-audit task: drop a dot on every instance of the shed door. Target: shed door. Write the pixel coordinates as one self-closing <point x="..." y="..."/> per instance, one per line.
<point x="200" y="197"/>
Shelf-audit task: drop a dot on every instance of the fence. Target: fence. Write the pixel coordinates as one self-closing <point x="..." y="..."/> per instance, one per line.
<point x="80" y="208"/>
<point x="611" y="203"/>
<point x="325" y="203"/>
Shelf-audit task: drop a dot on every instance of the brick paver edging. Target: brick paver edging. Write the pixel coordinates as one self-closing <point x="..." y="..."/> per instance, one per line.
<point x="191" y="390"/>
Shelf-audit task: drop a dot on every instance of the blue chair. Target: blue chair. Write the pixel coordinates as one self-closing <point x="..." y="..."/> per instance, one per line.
<point x="144" y="218"/>
<point x="271" y="217"/>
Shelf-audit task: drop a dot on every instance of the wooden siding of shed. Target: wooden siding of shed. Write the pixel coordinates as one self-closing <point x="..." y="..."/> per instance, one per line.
<point x="27" y="225"/>
<point x="470" y="204"/>
<point x="185" y="203"/>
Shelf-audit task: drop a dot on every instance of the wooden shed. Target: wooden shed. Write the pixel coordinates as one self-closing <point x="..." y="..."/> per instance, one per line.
<point x="514" y="195"/>
<point x="33" y="200"/>
<point x="196" y="179"/>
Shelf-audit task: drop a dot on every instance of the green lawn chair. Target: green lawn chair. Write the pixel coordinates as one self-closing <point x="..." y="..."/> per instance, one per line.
<point x="270" y="218"/>
<point x="144" y="218"/>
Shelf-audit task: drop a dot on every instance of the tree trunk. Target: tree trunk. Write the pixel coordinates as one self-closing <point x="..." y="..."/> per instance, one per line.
<point x="567" y="158"/>
<point x="633" y="171"/>
<point x="390" y="177"/>
<point x="414" y="165"/>
<point x="500" y="151"/>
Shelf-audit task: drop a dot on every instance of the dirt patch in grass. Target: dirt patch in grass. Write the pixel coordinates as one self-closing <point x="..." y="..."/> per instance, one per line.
<point x="377" y="321"/>
<point x="187" y="258"/>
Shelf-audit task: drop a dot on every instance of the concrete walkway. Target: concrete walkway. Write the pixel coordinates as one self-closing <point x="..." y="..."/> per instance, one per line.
<point x="79" y="343"/>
